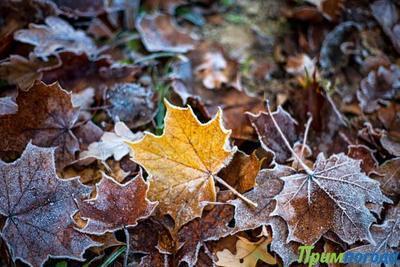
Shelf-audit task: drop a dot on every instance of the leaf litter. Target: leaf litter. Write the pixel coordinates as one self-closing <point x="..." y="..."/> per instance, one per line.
<point x="140" y="133"/>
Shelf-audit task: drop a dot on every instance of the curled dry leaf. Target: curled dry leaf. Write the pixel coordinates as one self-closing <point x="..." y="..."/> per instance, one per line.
<point x="269" y="136"/>
<point x="183" y="162"/>
<point x="55" y="37"/>
<point x="331" y="189"/>
<point x="268" y="186"/>
<point x="300" y="65"/>
<point x="131" y="103"/>
<point x="331" y="9"/>
<point x="160" y="33"/>
<point x="247" y="255"/>
<point x="112" y="144"/>
<point x="366" y="155"/>
<point x="242" y="171"/>
<point x="213" y="225"/>
<point x="116" y="206"/>
<point x="54" y="123"/>
<point x="389" y="177"/>
<point x="38" y="207"/>
<point x="24" y="72"/>
<point x="381" y="84"/>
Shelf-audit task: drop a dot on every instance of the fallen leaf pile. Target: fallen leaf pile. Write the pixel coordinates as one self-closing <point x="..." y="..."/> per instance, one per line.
<point x="197" y="133"/>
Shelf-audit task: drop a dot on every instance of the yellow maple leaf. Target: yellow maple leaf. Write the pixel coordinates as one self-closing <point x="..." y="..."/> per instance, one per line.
<point x="183" y="162"/>
<point x="247" y="254"/>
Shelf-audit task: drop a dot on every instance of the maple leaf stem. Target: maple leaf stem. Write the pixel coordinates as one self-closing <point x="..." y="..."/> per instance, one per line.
<point x="305" y="167"/>
<point x="127" y="247"/>
<point x="305" y="136"/>
<point x="233" y="190"/>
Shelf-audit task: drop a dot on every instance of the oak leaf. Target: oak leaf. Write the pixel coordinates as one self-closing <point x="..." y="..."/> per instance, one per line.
<point x="183" y="162"/>
<point x="116" y="206"/>
<point x="46" y="116"/>
<point x="247" y="255"/>
<point x="335" y="187"/>
<point x="57" y="36"/>
<point x="39" y="207"/>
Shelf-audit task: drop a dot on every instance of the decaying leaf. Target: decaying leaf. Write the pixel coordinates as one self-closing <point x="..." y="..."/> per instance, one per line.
<point x="112" y="144"/>
<point x="389" y="177"/>
<point x="269" y="136"/>
<point x="55" y="37"/>
<point x="24" y="72"/>
<point x="39" y="208"/>
<point x="131" y="103"/>
<point x="116" y="206"/>
<point x="183" y="162"/>
<point x="46" y="116"/>
<point x="160" y="33"/>
<point x="213" y="225"/>
<point x="247" y="255"/>
<point x="335" y="187"/>
<point x="242" y="171"/>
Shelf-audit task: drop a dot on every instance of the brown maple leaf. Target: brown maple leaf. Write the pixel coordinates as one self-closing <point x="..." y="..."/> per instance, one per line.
<point x="57" y="36"/>
<point x="116" y="206"/>
<point x="46" y="116"/>
<point x="38" y="207"/>
<point x="335" y="187"/>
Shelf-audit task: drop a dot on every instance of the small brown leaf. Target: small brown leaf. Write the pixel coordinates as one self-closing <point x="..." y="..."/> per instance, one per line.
<point x="389" y="177"/>
<point x="116" y="206"/>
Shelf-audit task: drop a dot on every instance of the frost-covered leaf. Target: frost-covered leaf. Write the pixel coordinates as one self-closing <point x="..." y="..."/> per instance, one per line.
<point x="131" y="103"/>
<point x="183" y="162"/>
<point x="54" y="37"/>
<point x="116" y="206"/>
<point x="46" y="116"/>
<point x="337" y="188"/>
<point x="39" y="207"/>
<point x="8" y="106"/>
